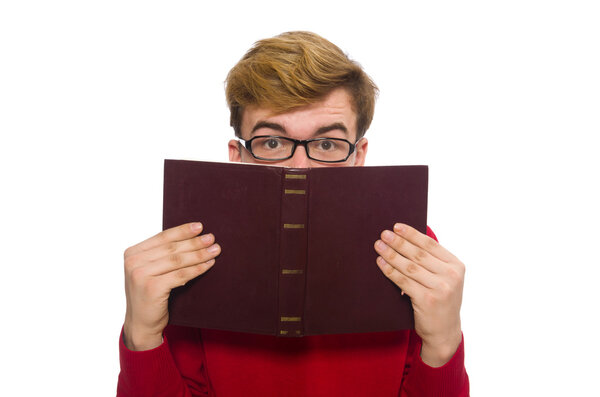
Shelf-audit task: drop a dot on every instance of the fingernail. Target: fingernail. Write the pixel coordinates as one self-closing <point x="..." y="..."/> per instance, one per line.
<point x="399" y="227"/>
<point x="207" y="238"/>
<point x="196" y="227"/>
<point x="213" y="248"/>
<point x="380" y="244"/>
<point x="387" y="235"/>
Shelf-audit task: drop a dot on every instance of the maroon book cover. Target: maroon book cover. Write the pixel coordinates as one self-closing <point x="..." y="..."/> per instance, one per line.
<point x="297" y="245"/>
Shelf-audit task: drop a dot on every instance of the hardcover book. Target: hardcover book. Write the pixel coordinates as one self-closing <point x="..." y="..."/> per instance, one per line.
<point x="297" y="254"/>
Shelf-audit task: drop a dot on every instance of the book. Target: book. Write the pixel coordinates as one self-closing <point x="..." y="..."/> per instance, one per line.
<point x="297" y="245"/>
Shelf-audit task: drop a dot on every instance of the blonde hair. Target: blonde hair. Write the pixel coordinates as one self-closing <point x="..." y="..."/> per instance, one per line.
<point x="296" y="69"/>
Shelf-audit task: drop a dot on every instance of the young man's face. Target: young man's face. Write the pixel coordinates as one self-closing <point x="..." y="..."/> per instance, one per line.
<point x="332" y="117"/>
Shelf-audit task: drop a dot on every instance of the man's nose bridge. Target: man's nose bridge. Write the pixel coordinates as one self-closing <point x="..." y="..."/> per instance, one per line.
<point x="300" y="158"/>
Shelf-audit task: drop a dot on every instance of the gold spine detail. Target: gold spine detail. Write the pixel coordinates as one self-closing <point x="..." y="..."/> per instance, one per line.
<point x="295" y="176"/>
<point x="282" y="332"/>
<point x="291" y="319"/>
<point x="293" y="226"/>
<point x="292" y="271"/>
<point x="292" y="191"/>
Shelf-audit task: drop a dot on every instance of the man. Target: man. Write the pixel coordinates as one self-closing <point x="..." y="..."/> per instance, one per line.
<point x="285" y="95"/>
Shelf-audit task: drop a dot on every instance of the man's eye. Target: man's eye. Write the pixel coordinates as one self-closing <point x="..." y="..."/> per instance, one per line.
<point x="272" y="143"/>
<point x="326" y="145"/>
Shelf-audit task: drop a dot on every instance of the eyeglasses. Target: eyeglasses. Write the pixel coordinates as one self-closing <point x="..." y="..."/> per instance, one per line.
<point x="275" y="148"/>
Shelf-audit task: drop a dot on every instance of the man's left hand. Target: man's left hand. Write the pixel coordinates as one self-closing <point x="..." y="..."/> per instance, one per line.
<point x="433" y="278"/>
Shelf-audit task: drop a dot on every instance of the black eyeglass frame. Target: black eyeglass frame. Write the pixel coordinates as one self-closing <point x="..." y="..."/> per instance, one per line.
<point x="296" y="142"/>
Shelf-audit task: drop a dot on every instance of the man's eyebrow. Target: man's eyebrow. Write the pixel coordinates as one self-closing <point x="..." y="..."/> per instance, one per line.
<point x="266" y="124"/>
<point x="281" y="129"/>
<point x="332" y="127"/>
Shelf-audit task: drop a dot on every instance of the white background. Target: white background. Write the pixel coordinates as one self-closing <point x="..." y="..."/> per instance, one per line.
<point x="501" y="99"/>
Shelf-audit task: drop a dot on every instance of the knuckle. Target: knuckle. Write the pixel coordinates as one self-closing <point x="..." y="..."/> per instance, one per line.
<point x="180" y="274"/>
<point x="391" y="255"/>
<point x="399" y="242"/>
<point x="137" y="275"/>
<point x="172" y="247"/>
<point x="456" y="274"/>
<point x="200" y="256"/>
<point x="411" y="268"/>
<point x="453" y="274"/>
<point x="201" y="268"/>
<point x="400" y="280"/>
<point x="444" y="290"/>
<point x="129" y="263"/>
<point x="431" y="299"/>
<point x="127" y="253"/>
<point x="411" y="233"/>
<point x="420" y="255"/>
<point x="431" y="244"/>
<point x="388" y="271"/>
<point x="175" y="260"/>
<point x="461" y="268"/>
<point x="162" y="237"/>
<point x="196" y="243"/>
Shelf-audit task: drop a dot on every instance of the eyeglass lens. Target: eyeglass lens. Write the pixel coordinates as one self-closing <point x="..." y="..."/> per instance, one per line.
<point x="279" y="148"/>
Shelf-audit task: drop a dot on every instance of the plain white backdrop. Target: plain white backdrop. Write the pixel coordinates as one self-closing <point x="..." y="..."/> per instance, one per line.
<point x="500" y="98"/>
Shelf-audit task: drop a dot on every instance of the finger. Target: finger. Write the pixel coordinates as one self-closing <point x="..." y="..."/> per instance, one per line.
<point x="177" y="261"/>
<point x="189" y="245"/>
<point x="408" y="286"/>
<point x="405" y="266"/>
<point x="182" y="276"/>
<point x="425" y="242"/>
<point x="177" y="233"/>
<point x="410" y="251"/>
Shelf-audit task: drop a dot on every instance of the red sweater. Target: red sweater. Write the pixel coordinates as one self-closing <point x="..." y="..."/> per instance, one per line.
<point x="200" y="362"/>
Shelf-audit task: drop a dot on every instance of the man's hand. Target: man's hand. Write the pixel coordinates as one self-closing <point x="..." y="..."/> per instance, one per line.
<point x="433" y="278"/>
<point x="152" y="269"/>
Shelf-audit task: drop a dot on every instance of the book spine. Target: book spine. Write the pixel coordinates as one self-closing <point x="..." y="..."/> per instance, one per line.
<point x="293" y="252"/>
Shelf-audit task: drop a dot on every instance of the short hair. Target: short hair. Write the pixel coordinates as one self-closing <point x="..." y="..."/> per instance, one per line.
<point x="295" y="69"/>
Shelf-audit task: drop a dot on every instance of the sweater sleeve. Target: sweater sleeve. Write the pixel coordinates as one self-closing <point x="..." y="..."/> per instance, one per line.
<point x="449" y="380"/>
<point x="173" y="369"/>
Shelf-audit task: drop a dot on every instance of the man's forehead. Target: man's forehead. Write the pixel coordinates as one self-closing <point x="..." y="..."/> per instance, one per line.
<point x="335" y="108"/>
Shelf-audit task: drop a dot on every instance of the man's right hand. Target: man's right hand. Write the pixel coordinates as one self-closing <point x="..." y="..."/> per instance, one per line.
<point x="152" y="269"/>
